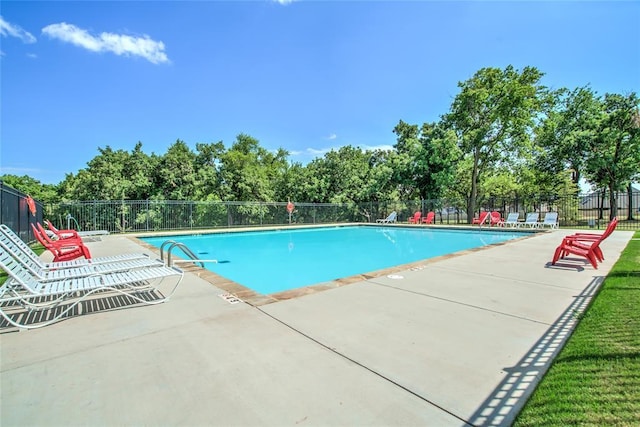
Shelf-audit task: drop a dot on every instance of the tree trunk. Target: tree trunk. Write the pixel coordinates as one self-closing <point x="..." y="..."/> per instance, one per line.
<point x="601" y="207"/>
<point x="471" y="203"/>
<point x="613" y="203"/>
<point x="630" y="203"/>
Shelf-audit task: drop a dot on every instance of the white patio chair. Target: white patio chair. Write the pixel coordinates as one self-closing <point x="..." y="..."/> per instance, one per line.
<point x="23" y="292"/>
<point x="531" y="220"/>
<point x="391" y="218"/>
<point x="41" y="273"/>
<point x="550" y="220"/>
<point x="512" y="219"/>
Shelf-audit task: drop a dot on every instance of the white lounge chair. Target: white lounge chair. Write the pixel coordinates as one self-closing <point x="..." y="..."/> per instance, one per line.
<point x="531" y="220"/>
<point x="512" y="220"/>
<point x="23" y="292"/>
<point x="40" y="272"/>
<point x="550" y="220"/>
<point x="7" y="235"/>
<point x="393" y="216"/>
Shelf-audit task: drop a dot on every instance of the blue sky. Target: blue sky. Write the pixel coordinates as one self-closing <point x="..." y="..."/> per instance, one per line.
<point x="307" y="76"/>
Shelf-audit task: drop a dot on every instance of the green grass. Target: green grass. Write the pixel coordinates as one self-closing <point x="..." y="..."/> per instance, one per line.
<point x="595" y="380"/>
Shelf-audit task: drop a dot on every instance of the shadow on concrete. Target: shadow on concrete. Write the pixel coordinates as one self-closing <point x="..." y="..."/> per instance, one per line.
<point x="506" y="401"/>
<point x="98" y="303"/>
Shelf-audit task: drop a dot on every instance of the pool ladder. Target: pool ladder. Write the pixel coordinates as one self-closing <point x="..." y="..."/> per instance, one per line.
<point x="188" y="252"/>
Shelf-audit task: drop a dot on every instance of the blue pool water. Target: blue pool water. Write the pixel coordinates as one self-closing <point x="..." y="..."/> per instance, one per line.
<point x="279" y="260"/>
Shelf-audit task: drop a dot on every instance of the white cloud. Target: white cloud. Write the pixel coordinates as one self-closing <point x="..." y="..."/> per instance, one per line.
<point x="332" y="137"/>
<point x="284" y="2"/>
<point x="8" y="29"/>
<point x="151" y="50"/>
<point x="32" y="55"/>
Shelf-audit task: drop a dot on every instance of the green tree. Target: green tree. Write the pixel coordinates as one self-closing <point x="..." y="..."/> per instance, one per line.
<point x="427" y="158"/>
<point x="45" y="193"/>
<point x="381" y="183"/>
<point x="176" y="176"/>
<point x="103" y="179"/>
<point x="565" y="134"/>
<point x="208" y="159"/>
<point x="249" y="172"/>
<point x="139" y="170"/>
<point x="493" y="117"/>
<point x="409" y="169"/>
<point x="614" y="152"/>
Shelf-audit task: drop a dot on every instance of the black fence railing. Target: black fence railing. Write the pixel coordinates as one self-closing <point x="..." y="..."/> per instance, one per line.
<point x="583" y="211"/>
<point x="15" y="213"/>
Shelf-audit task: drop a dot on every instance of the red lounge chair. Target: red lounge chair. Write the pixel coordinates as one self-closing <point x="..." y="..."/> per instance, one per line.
<point x="482" y="219"/>
<point x="495" y="218"/>
<point x="430" y="218"/>
<point x="595" y="236"/>
<point x="571" y="247"/>
<point x="68" y="241"/>
<point x="62" y="250"/>
<point x="583" y="240"/>
<point x="415" y="219"/>
<point x="62" y="234"/>
<point x="586" y="245"/>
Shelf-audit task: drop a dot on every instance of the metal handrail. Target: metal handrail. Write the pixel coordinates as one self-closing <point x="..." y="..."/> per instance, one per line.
<point x="172" y="244"/>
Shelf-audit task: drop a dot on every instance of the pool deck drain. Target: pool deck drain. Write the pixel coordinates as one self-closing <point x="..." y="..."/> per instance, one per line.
<point x="461" y="340"/>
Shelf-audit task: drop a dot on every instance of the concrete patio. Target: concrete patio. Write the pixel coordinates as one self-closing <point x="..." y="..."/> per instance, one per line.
<point x="457" y="341"/>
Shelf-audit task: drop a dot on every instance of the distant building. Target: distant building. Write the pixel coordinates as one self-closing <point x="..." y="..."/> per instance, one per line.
<point x="600" y="200"/>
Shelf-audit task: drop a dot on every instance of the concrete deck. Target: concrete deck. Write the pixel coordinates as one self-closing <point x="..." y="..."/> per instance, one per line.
<point x="459" y="341"/>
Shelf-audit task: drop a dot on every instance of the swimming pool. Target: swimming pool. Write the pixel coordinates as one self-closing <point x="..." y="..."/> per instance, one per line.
<point x="278" y="260"/>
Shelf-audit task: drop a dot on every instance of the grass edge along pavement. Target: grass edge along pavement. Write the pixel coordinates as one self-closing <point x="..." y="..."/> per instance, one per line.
<point x="595" y="379"/>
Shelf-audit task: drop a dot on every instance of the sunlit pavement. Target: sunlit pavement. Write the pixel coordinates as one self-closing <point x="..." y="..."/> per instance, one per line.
<point x="461" y="340"/>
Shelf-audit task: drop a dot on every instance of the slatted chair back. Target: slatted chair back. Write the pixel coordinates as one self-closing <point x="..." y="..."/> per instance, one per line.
<point x="550" y="219"/>
<point x="532" y="219"/>
<point x="35" y="268"/>
<point x="7" y="235"/>
<point x="18" y="273"/>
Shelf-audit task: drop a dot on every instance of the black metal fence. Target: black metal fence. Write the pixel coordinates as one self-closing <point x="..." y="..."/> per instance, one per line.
<point x="15" y="213"/>
<point x="583" y="211"/>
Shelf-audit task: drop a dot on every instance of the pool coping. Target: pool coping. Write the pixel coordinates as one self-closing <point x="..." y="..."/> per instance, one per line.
<point x="257" y="299"/>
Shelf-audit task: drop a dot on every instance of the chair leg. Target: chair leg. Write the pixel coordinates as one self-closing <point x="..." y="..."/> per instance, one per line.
<point x="592" y="258"/>
<point x="556" y="255"/>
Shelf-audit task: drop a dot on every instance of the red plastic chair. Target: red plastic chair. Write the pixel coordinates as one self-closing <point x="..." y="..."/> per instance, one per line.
<point x="495" y="218"/>
<point x="415" y="219"/>
<point x="61" y="250"/>
<point x="570" y="247"/>
<point x="430" y="218"/>
<point x="482" y="219"/>
<point x="69" y="241"/>
<point x="586" y="245"/>
<point x="62" y="234"/>
<point x="595" y="236"/>
<point x="583" y="239"/>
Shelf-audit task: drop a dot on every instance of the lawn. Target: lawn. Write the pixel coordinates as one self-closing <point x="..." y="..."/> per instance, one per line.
<point x="595" y="380"/>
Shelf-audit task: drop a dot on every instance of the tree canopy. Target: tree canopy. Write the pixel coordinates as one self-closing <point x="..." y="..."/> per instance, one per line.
<point x="505" y="134"/>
